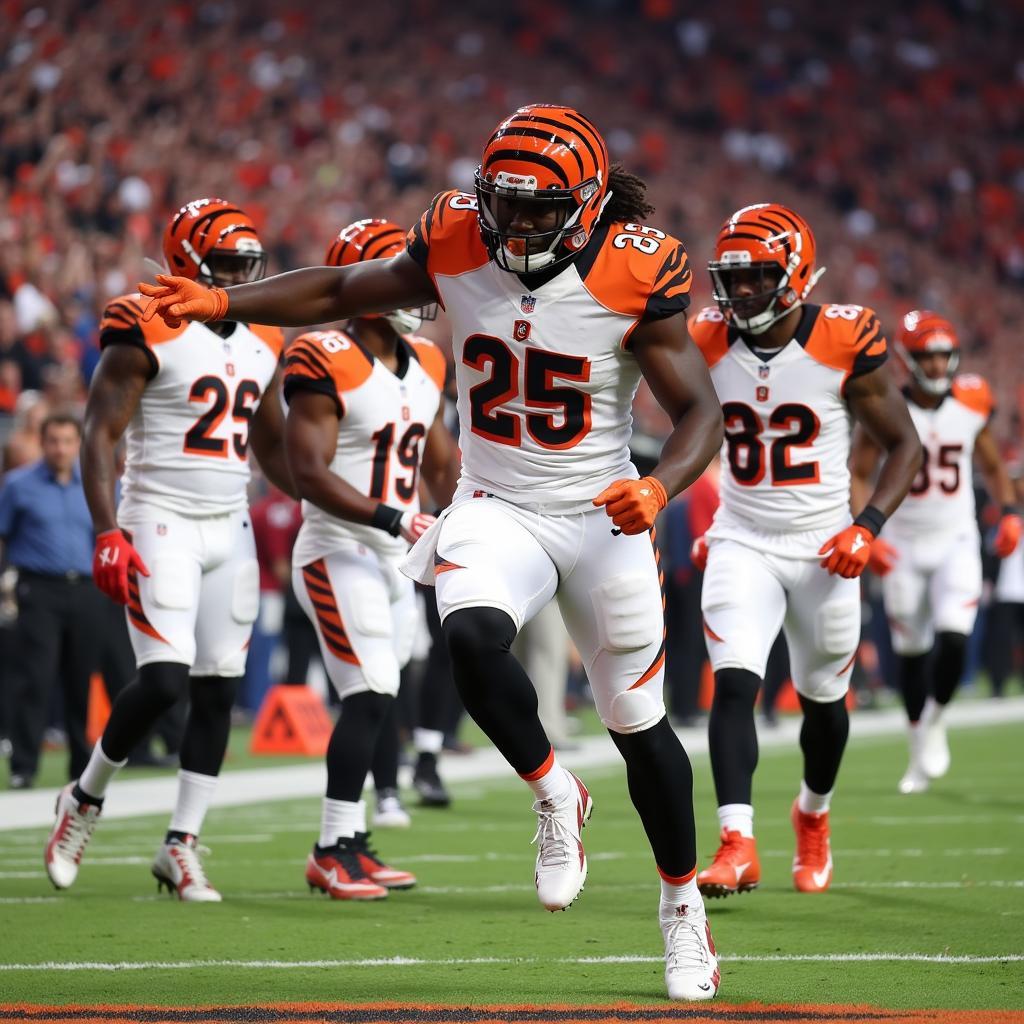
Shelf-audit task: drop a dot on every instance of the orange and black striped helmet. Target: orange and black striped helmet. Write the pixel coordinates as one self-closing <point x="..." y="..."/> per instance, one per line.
<point x="541" y="185"/>
<point x="375" y="239"/>
<point x="922" y="333"/>
<point x="214" y="242"/>
<point x="771" y="249"/>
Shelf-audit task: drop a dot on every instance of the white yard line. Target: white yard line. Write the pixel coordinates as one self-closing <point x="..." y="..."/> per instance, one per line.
<point x="131" y="798"/>
<point x="401" y="961"/>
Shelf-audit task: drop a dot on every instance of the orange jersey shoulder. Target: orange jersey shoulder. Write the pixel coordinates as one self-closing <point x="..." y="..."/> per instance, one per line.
<point x="972" y="390"/>
<point x="637" y="270"/>
<point x="431" y="359"/>
<point x="272" y="337"/>
<point x="710" y="333"/>
<point x="329" y="362"/>
<point x="446" y="239"/>
<point x="847" y="338"/>
<point x="122" y="321"/>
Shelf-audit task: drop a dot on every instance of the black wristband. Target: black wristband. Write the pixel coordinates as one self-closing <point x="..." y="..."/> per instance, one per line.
<point x="872" y="519"/>
<point x="1011" y="510"/>
<point x="388" y="519"/>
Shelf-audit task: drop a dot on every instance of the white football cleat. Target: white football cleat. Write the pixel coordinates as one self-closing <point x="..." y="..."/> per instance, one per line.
<point x="935" y="744"/>
<point x="561" y="862"/>
<point x="390" y="813"/>
<point x="691" y="962"/>
<point x="177" y="865"/>
<point x="70" y="835"/>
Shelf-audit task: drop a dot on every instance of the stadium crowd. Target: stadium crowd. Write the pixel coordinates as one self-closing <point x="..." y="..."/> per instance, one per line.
<point x="876" y="121"/>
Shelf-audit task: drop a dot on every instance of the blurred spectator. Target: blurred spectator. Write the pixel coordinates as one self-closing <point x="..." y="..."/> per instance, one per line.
<point x="48" y="537"/>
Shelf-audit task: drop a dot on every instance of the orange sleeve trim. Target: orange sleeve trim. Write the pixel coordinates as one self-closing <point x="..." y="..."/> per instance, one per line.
<point x="711" y="337"/>
<point x="548" y="764"/>
<point x="972" y="391"/>
<point x="678" y="879"/>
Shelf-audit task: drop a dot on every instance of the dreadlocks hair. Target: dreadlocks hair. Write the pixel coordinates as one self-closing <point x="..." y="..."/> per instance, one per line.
<point x="629" y="197"/>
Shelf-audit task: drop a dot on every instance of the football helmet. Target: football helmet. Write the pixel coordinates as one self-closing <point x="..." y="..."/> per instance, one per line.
<point x="546" y="165"/>
<point x="776" y="245"/>
<point x="922" y="333"/>
<point x="375" y="239"/>
<point x="213" y="242"/>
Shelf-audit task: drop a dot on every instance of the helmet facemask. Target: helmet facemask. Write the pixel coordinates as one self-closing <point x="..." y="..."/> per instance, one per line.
<point x="772" y="298"/>
<point x="409" y="321"/>
<point x="937" y="387"/>
<point x="223" y="268"/>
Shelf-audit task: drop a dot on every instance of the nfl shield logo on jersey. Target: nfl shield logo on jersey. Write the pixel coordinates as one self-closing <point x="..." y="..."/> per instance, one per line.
<point x="763" y="371"/>
<point x="528" y="303"/>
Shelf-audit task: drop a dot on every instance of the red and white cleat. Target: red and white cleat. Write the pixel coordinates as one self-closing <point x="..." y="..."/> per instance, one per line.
<point x="337" y="871"/>
<point x="812" y="864"/>
<point x="69" y="837"/>
<point x="561" y="861"/>
<point x="376" y="870"/>
<point x="177" y="866"/>
<point x="736" y="867"/>
<point x="691" y="961"/>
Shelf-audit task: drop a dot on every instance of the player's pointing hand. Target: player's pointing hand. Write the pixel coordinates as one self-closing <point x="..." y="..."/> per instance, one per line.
<point x="633" y="505"/>
<point x="177" y="298"/>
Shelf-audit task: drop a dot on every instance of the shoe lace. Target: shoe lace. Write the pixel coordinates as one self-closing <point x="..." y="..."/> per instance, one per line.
<point x="75" y="835"/>
<point x="554" y="840"/>
<point x="812" y="844"/>
<point x="684" y="945"/>
<point x="346" y="852"/>
<point x="190" y="862"/>
<point x="731" y="846"/>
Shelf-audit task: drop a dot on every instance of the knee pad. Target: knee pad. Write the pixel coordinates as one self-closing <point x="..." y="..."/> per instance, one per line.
<point x="628" y="612"/>
<point x="837" y="627"/>
<point x="381" y="674"/>
<point x="174" y="583"/>
<point x="634" y="710"/>
<point x="471" y="633"/>
<point x="164" y="681"/>
<point x="245" y="592"/>
<point x="371" y="609"/>
<point x="902" y="595"/>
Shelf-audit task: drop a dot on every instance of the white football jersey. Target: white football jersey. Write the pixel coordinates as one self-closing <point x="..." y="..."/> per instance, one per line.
<point x="545" y="376"/>
<point x="187" y="442"/>
<point x="384" y="420"/>
<point x="941" y="498"/>
<point x="787" y="425"/>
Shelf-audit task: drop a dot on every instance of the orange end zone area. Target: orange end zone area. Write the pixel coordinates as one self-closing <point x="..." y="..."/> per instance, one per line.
<point x="399" y="1013"/>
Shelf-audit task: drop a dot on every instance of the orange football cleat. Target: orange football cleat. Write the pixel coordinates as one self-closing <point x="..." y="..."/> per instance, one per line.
<point x="734" y="869"/>
<point x="812" y="864"/>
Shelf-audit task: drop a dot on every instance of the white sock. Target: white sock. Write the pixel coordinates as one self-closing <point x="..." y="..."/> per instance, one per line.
<point x="675" y="896"/>
<point x="737" y="818"/>
<point x="932" y="712"/>
<point x="427" y="741"/>
<point x="555" y="785"/>
<point x="98" y="772"/>
<point x="810" y="802"/>
<point x="195" y="792"/>
<point x="341" y="818"/>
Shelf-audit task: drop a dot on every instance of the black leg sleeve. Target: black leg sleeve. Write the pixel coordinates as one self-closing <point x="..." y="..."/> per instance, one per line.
<point x="823" y="739"/>
<point x="950" y="652"/>
<point x="209" y="723"/>
<point x="158" y="686"/>
<point x="385" y="754"/>
<point x="914" y="682"/>
<point x="732" y="735"/>
<point x="350" y="751"/>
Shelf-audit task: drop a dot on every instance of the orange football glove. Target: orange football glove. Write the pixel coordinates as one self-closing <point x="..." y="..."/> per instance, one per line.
<point x="178" y="298"/>
<point x="699" y="553"/>
<point x="1008" y="535"/>
<point x="633" y="505"/>
<point x="847" y="553"/>
<point x="883" y="557"/>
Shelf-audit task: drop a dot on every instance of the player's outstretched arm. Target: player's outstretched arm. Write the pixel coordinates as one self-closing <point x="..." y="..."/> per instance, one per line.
<point x="440" y="466"/>
<point x="316" y="295"/>
<point x="678" y="377"/>
<point x="878" y="406"/>
<point x="1001" y="489"/>
<point x="266" y="436"/>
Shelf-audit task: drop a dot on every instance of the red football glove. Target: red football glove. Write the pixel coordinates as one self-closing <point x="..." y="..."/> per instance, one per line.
<point x="178" y="298"/>
<point x="883" y="557"/>
<point x="848" y="551"/>
<point x="415" y="524"/>
<point x="699" y="553"/>
<point x="1008" y="535"/>
<point x="112" y="561"/>
<point x="633" y="505"/>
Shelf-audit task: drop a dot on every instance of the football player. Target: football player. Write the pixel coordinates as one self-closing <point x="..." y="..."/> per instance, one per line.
<point x="178" y="552"/>
<point x="364" y="421"/>
<point x="931" y="563"/>
<point x="781" y="551"/>
<point x="560" y="299"/>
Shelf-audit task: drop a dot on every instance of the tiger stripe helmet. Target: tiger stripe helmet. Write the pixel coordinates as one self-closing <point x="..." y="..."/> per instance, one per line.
<point x="777" y="242"/>
<point x="921" y="333"/>
<point x="375" y="239"/>
<point x="214" y="242"/>
<point x="543" y="154"/>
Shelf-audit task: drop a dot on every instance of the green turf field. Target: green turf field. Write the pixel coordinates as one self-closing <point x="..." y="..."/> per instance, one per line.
<point x="935" y="876"/>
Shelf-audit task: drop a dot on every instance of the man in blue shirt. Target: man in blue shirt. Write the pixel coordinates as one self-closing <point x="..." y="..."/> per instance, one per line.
<point x="48" y="536"/>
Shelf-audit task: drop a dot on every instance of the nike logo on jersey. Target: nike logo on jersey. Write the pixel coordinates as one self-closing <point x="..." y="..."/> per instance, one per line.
<point x="858" y="543"/>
